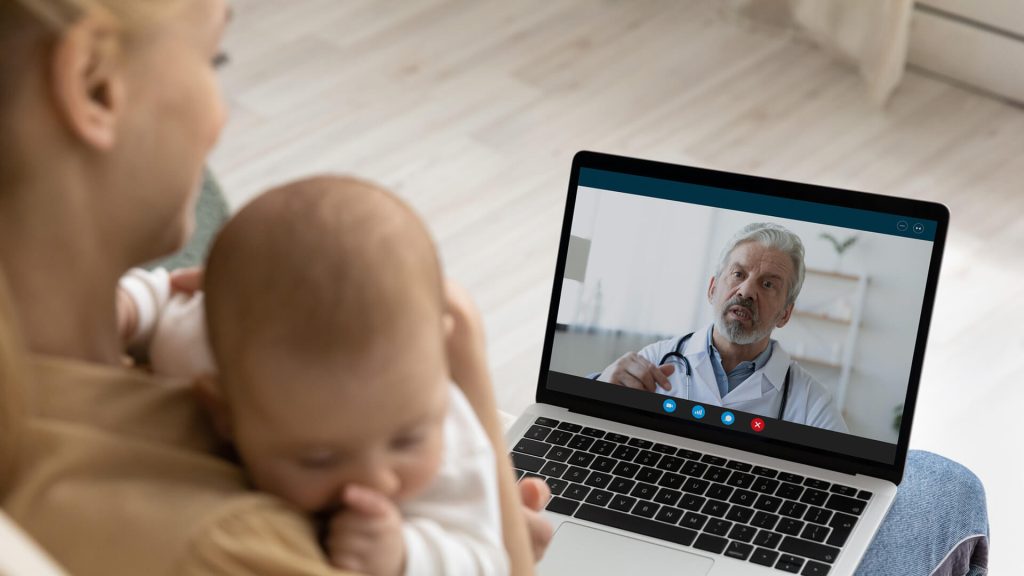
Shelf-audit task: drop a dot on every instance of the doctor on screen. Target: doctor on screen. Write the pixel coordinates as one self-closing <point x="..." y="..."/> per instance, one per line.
<point x="734" y="363"/>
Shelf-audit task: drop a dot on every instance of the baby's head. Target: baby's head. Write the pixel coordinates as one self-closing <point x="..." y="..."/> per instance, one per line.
<point x="325" y="304"/>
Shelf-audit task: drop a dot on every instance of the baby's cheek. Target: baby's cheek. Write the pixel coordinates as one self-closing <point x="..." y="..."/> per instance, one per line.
<point x="423" y="470"/>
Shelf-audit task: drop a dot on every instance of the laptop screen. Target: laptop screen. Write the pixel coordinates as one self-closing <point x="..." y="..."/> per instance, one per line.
<point x="787" y="316"/>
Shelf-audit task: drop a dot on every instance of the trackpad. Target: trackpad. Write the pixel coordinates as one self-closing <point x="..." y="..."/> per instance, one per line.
<point x="578" y="549"/>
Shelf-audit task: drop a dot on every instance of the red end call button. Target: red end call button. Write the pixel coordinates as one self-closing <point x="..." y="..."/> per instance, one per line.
<point x="757" y="425"/>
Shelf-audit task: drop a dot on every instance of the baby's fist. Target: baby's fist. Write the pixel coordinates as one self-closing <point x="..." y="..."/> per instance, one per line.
<point x="366" y="534"/>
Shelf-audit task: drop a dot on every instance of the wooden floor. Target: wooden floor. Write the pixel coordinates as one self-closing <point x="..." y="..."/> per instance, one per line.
<point x="472" y="110"/>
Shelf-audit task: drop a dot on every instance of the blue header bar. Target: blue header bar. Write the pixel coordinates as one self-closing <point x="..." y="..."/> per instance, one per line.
<point x="880" y="222"/>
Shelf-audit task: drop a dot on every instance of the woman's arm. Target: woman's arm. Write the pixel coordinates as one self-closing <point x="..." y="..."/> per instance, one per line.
<point x="468" y="366"/>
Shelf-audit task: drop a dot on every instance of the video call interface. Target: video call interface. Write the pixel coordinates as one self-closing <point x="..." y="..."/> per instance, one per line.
<point x="786" y="319"/>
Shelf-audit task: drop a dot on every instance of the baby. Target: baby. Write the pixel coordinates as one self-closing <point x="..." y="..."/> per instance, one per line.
<point x="325" y="307"/>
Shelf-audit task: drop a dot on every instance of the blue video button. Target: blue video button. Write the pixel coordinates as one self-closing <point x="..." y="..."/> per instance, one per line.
<point x="669" y="405"/>
<point x="697" y="412"/>
<point x="728" y="418"/>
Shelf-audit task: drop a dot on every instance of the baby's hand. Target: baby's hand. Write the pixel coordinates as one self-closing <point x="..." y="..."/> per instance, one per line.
<point x="366" y="535"/>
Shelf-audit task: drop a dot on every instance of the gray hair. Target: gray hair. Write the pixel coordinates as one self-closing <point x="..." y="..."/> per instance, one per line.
<point x="771" y="236"/>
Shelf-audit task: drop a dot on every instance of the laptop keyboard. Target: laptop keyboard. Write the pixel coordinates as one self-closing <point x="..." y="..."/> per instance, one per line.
<point x="752" y="513"/>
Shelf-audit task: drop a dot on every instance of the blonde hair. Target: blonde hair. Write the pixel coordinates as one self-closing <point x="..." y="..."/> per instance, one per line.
<point x="13" y="381"/>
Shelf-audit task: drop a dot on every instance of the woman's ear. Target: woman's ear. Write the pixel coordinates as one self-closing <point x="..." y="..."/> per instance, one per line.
<point x="87" y="82"/>
<point x="211" y="397"/>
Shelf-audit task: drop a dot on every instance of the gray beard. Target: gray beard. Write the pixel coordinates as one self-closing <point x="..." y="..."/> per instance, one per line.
<point x="734" y="331"/>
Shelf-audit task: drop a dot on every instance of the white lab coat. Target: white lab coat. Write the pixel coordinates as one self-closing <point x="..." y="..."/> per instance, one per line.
<point x="809" y="402"/>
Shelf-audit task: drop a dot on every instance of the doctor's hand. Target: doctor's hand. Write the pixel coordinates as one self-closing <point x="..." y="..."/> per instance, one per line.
<point x="634" y="371"/>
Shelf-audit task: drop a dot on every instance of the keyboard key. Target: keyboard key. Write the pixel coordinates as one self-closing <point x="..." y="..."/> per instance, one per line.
<point x="644" y="490"/>
<point x="717" y="474"/>
<point x="673" y="481"/>
<point x="713" y="544"/>
<point x="814" y="497"/>
<point x="562" y="506"/>
<point x="576" y="474"/>
<point x="576" y="491"/>
<point x="649" y="475"/>
<point x="843" y="490"/>
<point x="767" y="503"/>
<point x="790" y="526"/>
<point x="844" y="504"/>
<point x="646" y="509"/>
<point x="621" y="485"/>
<point x="689" y="454"/>
<point x="741" y="480"/>
<point x="743" y="497"/>
<point x="738" y="550"/>
<point x="569" y="427"/>
<point x="554" y="469"/>
<point x="816" y="484"/>
<point x="715" y="508"/>
<point x="533" y="475"/>
<point x="693" y="520"/>
<point x="559" y="437"/>
<point x="592" y="432"/>
<point x="670" y="463"/>
<point x="742" y="533"/>
<point x="741" y="466"/>
<point x="812" y="550"/>
<point x="602" y="447"/>
<point x="767" y="539"/>
<point x="764" y="520"/>
<point x="789" y="491"/>
<point x="664" y="449"/>
<point x="647" y="458"/>
<point x="719" y="492"/>
<point x="814" y="533"/>
<point x="580" y="442"/>
<point x="718" y="527"/>
<point x="818" y="515"/>
<point x="519" y="473"/>
<point x="550" y="423"/>
<point x="815" y="569"/>
<point x="599" y="497"/>
<point x="559" y="453"/>
<point x="618" y="438"/>
<point x="713" y="460"/>
<point x="580" y="458"/>
<point x="623" y="452"/>
<point x="603" y="464"/>
<point x="538" y="433"/>
<point x="841" y="525"/>
<point x="527" y="462"/>
<point x="556" y="485"/>
<point x="692" y="502"/>
<point x="792" y="478"/>
<point x="625" y="469"/>
<point x="792" y="509"/>
<point x="622" y="503"/>
<point x="789" y="563"/>
<point x="695" y="486"/>
<point x="739" y="514"/>
<point x="636" y="524"/>
<point x="598" y="479"/>
<point x="766" y="472"/>
<point x="640" y="443"/>
<point x="763" y="557"/>
<point x="668" y="497"/>
<point x="764" y="485"/>
<point x="864" y="495"/>
<point x="531" y="447"/>
<point x="692" y="468"/>
<point x="669" y="514"/>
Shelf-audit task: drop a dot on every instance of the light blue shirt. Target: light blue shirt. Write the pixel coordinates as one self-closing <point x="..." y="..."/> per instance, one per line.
<point x="728" y="382"/>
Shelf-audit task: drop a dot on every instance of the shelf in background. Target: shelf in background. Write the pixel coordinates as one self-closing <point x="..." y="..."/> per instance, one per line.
<point x="832" y="274"/>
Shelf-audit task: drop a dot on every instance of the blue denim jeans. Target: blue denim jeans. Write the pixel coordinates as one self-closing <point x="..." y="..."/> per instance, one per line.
<point x="938" y="524"/>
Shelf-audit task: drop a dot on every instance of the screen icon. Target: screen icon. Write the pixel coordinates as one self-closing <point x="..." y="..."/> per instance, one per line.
<point x="757" y="425"/>
<point x="902" y="226"/>
<point x="728" y="418"/>
<point x="918" y="228"/>
<point x="698" y="412"/>
<point x="669" y="405"/>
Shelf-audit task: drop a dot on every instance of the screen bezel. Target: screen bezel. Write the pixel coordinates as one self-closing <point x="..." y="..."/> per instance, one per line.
<point x="770" y="187"/>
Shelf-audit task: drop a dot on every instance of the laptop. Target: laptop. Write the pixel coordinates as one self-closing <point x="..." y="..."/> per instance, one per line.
<point x="788" y="462"/>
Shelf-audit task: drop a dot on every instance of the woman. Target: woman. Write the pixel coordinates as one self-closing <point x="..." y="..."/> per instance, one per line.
<point x="109" y="108"/>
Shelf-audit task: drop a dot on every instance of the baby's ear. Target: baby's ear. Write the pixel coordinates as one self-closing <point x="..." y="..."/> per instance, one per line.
<point x="210" y="395"/>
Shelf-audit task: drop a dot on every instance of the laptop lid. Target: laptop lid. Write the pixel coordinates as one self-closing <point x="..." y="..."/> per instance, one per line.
<point x="657" y="259"/>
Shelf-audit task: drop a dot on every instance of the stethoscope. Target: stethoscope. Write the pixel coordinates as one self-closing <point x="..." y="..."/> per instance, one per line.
<point x="678" y="353"/>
